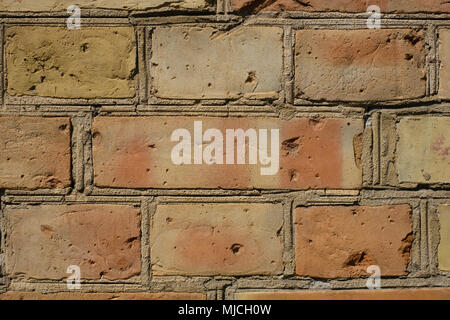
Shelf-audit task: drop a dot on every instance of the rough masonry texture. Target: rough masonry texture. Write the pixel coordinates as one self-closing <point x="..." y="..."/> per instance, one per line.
<point x="444" y="245"/>
<point x="216" y="64"/>
<point x="103" y="240"/>
<point x="444" y="56"/>
<point x="359" y="65"/>
<point x="135" y="153"/>
<point x="221" y="150"/>
<point x="61" y="5"/>
<point x="208" y="239"/>
<point x="45" y="61"/>
<point x="343" y="241"/>
<point x="386" y="6"/>
<point x="424" y="149"/>
<point x="28" y="143"/>
<point x="385" y="294"/>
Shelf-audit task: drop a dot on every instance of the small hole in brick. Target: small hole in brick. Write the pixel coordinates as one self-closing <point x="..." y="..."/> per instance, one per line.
<point x="63" y="127"/>
<point x="251" y="77"/>
<point x="235" y="248"/>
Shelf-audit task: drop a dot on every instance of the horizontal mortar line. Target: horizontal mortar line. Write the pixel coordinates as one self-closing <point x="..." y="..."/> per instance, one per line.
<point x="216" y="114"/>
<point x="234" y="192"/>
<point x="298" y="14"/>
<point x="63" y="283"/>
<point x="39" y="100"/>
<point x="229" y="105"/>
<point x="210" y="12"/>
<point x="323" y="21"/>
<point x="432" y="99"/>
<point x="133" y="192"/>
<point x="350" y="24"/>
<point x="343" y="286"/>
<point x="113" y="13"/>
<point x="355" y="23"/>
<point x="242" y="283"/>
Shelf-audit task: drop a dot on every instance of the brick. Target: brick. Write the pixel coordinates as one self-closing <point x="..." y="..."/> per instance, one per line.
<point x="342" y="241"/>
<point x="58" y="5"/>
<point x="423" y="150"/>
<point x="351" y="6"/>
<point x="196" y="63"/>
<point x="359" y="65"/>
<point x="27" y="145"/>
<point x="444" y="244"/>
<point x="444" y="58"/>
<point x="62" y="63"/>
<point x="314" y="153"/>
<point x="103" y="240"/>
<point x="217" y="239"/>
<point x="19" y="295"/>
<point x="383" y="294"/>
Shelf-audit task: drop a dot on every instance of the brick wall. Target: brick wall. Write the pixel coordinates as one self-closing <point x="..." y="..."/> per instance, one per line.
<point x="87" y="175"/>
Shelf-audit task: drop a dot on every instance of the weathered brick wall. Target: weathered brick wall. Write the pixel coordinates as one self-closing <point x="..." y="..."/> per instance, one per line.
<point x="87" y="176"/>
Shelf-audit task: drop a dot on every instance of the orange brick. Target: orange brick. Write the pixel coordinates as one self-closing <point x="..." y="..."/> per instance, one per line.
<point x="136" y="153"/>
<point x="382" y="294"/>
<point x="28" y="143"/>
<point x="341" y="241"/>
<point x="217" y="239"/>
<point x="365" y="65"/>
<point x="103" y="240"/>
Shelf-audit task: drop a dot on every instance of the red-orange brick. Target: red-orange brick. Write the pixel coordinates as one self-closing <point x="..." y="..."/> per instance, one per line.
<point x="351" y="6"/>
<point x="217" y="239"/>
<point x="314" y="153"/>
<point x="103" y="240"/>
<point x="341" y="241"/>
<point x="34" y="152"/>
